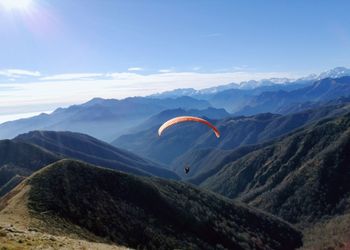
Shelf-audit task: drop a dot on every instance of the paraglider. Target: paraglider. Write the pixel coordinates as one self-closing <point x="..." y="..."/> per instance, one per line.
<point x="180" y="119"/>
<point x="187" y="169"/>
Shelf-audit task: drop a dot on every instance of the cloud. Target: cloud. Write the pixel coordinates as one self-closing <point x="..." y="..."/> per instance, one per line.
<point x="135" y="69"/>
<point x="74" y="76"/>
<point x="17" y="73"/>
<point x="165" y="70"/>
<point x="125" y="76"/>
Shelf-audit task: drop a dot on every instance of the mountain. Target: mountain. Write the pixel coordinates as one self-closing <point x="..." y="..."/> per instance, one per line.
<point x="89" y="149"/>
<point x="277" y="101"/>
<point x="254" y="85"/>
<point x="189" y="142"/>
<point x="213" y="159"/>
<point x="233" y="100"/>
<point x="104" y="119"/>
<point x="175" y="93"/>
<point x="334" y="73"/>
<point x="147" y="213"/>
<point x="295" y="108"/>
<point x="267" y="95"/>
<point x="18" y="159"/>
<point x="30" y="152"/>
<point x="257" y="84"/>
<point x="205" y="163"/>
<point x="236" y="131"/>
<point x="234" y="97"/>
<point x="303" y="177"/>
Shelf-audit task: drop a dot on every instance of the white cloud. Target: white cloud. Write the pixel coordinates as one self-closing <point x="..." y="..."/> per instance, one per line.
<point x="17" y="73"/>
<point x="135" y="69"/>
<point x="165" y="70"/>
<point x="74" y="76"/>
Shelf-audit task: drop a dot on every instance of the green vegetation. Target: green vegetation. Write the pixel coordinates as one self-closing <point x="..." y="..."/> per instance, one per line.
<point x="22" y="159"/>
<point x="303" y="178"/>
<point x="151" y="213"/>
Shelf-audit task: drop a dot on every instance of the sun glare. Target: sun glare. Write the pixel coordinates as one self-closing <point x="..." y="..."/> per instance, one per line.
<point x="15" y="4"/>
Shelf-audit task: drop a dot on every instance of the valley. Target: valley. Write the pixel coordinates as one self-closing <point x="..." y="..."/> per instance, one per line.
<point x="273" y="180"/>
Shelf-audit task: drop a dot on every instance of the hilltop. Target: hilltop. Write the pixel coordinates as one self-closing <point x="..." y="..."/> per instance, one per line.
<point x="141" y="211"/>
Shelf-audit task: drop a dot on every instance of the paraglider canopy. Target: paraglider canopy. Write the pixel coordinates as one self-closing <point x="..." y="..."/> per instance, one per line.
<point x="180" y="119"/>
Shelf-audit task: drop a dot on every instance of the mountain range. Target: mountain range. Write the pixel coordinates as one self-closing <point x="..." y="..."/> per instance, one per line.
<point x="277" y="102"/>
<point x="180" y="145"/>
<point x="253" y="84"/>
<point x="277" y="178"/>
<point x="107" y="119"/>
<point x="104" y="119"/>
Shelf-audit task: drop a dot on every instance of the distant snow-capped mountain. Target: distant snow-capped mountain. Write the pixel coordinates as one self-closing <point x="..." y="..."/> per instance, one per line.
<point x="194" y="92"/>
<point x="253" y="84"/>
<point x="334" y="73"/>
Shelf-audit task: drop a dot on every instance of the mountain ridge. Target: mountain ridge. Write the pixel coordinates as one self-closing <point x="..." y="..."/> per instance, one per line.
<point x="92" y="150"/>
<point x="184" y="217"/>
<point x="104" y="119"/>
<point x="301" y="178"/>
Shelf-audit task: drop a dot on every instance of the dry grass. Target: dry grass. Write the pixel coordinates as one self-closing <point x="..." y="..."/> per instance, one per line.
<point x="11" y="238"/>
<point x="20" y="231"/>
<point x="333" y="234"/>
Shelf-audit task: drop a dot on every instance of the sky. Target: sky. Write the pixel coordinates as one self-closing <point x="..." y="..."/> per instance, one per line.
<point x="60" y="52"/>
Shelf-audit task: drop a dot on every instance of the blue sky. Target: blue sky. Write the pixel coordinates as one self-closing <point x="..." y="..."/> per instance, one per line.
<point x="80" y="42"/>
<point x="113" y="35"/>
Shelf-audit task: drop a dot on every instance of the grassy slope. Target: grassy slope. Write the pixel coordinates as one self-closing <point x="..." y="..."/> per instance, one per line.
<point x="19" y="230"/>
<point x="150" y="212"/>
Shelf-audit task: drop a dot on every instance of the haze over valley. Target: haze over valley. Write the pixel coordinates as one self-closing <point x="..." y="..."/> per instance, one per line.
<point x="174" y="125"/>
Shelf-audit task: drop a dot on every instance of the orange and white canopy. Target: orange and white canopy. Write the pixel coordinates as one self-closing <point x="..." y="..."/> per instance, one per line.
<point x="180" y="119"/>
